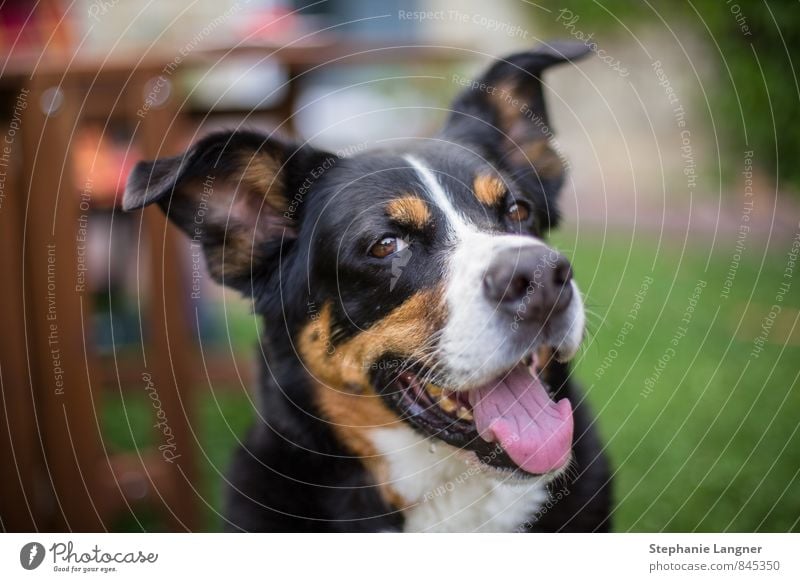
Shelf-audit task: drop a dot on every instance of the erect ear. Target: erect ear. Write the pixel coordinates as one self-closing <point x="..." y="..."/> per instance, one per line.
<point x="239" y="194"/>
<point x="502" y="116"/>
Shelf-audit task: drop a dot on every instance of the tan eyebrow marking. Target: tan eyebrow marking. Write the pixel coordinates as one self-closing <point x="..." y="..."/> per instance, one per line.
<point x="409" y="210"/>
<point x="489" y="189"/>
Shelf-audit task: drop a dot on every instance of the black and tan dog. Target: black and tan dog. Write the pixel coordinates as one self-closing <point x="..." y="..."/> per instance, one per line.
<point x="416" y="324"/>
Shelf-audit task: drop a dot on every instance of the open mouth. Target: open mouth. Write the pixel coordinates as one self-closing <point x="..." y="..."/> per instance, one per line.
<point x="512" y="422"/>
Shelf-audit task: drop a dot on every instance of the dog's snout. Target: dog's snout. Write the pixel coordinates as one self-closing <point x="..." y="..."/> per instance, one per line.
<point x="532" y="283"/>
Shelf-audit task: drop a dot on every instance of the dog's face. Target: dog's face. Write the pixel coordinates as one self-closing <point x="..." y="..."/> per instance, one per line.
<point x="412" y="284"/>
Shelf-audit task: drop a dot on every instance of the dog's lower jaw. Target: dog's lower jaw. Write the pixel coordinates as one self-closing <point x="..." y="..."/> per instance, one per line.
<point x="444" y="491"/>
<point x="295" y="473"/>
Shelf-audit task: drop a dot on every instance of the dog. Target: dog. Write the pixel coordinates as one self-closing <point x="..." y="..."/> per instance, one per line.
<point x="417" y="326"/>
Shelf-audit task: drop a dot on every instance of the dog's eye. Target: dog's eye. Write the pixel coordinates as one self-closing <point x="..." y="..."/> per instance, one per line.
<point x="518" y="212"/>
<point x="388" y="245"/>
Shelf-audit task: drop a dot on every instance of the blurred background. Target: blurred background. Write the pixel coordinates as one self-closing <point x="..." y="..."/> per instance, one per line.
<point x="127" y="376"/>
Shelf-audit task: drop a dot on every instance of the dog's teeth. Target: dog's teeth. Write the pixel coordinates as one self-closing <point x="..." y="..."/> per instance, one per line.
<point x="433" y="390"/>
<point x="464" y="413"/>
<point x="448" y="404"/>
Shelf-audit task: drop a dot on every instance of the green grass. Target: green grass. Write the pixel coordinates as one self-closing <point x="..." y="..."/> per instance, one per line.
<point x="713" y="446"/>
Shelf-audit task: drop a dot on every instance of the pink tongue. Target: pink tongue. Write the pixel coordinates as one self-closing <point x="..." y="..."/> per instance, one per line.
<point x="517" y="413"/>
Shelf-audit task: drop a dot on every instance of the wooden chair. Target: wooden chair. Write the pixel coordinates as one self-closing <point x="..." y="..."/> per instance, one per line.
<point x="57" y="473"/>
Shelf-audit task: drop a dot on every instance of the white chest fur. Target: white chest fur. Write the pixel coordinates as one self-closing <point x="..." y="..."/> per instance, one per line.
<point x="448" y="490"/>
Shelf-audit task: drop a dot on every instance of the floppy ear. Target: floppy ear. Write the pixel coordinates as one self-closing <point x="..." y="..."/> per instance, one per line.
<point x="502" y="116"/>
<point x="238" y="194"/>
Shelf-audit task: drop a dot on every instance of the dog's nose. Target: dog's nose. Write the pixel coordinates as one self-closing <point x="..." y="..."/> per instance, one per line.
<point x="531" y="283"/>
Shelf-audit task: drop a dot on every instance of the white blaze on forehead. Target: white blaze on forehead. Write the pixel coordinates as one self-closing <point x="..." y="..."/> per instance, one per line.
<point x="466" y="232"/>
<point x="455" y="220"/>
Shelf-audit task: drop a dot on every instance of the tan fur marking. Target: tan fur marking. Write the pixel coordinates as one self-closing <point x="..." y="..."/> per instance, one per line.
<point x="528" y="144"/>
<point x="539" y="153"/>
<point x="234" y="260"/>
<point x="351" y="417"/>
<point x="404" y="331"/>
<point x="489" y="189"/>
<point x="344" y="392"/>
<point x="409" y="210"/>
<point x="259" y="185"/>
<point x="507" y="112"/>
<point x="261" y="175"/>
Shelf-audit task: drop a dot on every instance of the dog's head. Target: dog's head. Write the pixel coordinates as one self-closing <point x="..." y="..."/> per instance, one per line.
<point x="412" y="284"/>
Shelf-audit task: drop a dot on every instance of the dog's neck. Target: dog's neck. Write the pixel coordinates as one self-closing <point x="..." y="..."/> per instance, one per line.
<point x="442" y="490"/>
